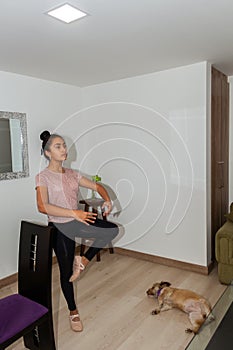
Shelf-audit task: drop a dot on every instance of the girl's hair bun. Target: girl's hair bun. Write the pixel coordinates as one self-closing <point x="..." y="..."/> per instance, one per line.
<point x="45" y="135"/>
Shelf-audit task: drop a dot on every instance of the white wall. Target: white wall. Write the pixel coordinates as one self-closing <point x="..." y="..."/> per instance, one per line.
<point x="46" y="104"/>
<point x="147" y="138"/>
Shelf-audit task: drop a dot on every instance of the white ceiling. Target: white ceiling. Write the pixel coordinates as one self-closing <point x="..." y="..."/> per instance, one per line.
<point x="119" y="38"/>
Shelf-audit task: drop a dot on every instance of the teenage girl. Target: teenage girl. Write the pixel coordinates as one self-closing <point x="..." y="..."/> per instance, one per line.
<point x="57" y="190"/>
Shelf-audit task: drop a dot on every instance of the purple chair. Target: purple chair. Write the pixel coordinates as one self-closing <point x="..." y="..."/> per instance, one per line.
<point x="29" y="313"/>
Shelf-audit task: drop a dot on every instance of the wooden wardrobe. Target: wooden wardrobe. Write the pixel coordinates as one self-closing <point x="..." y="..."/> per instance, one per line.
<point x="219" y="152"/>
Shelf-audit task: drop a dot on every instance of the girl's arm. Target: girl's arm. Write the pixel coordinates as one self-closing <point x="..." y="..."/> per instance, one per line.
<point x="45" y="207"/>
<point x="84" y="182"/>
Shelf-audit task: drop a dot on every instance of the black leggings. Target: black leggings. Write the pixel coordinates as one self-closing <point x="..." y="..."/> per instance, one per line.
<point x="103" y="233"/>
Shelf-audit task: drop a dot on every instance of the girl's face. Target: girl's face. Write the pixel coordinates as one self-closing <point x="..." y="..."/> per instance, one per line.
<point x="57" y="150"/>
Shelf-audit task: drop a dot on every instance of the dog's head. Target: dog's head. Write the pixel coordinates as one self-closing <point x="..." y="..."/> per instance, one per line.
<point x="156" y="288"/>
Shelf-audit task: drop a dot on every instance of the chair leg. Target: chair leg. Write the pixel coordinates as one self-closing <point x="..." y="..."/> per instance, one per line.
<point x="111" y="250"/>
<point x="83" y="247"/>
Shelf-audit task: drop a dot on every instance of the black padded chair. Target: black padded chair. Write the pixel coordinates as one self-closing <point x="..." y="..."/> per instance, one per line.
<point x="29" y="313"/>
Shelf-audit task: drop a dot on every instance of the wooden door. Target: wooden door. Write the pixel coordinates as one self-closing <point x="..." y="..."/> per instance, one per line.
<point x="219" y="152"/>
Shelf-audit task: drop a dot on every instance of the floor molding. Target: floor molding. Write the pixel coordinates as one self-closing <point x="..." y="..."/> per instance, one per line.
<point x="204" y="270"/>
<point x="8" y="280"/>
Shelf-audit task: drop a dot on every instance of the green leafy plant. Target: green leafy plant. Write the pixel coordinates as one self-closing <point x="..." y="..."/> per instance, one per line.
<point x="95" y="178"/>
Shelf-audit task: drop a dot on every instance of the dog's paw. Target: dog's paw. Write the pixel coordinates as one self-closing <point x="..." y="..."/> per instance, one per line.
<point x="155" y="312"/>
<point x="211" y="317"/>
<point x="188" y="330"/>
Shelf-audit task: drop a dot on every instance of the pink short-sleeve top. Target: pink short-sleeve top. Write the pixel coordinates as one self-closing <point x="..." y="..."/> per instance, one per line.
<point x="62" y="190"/>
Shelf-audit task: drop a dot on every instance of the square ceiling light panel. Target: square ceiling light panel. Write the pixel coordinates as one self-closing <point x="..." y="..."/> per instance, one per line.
<point x="67" y="13"/>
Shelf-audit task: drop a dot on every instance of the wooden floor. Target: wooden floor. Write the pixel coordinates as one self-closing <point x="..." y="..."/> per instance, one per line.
<point x="116" y="311"/>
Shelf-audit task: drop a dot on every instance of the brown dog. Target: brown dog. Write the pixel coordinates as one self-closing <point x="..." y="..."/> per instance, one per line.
<point x="197" y="307"/>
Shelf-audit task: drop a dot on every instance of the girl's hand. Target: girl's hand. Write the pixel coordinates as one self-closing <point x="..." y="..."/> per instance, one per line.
<point x="84" y="216"/>
<point x="107" y="206"/>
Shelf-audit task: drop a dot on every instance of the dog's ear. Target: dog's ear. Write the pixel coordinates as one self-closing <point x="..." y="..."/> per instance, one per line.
<point x="164" y="284"/>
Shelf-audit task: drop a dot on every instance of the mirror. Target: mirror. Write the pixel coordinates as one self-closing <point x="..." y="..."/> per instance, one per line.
<point x="13" y="146"/>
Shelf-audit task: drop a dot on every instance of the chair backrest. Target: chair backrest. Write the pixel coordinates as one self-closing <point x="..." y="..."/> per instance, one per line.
<point x="35" y="262"/>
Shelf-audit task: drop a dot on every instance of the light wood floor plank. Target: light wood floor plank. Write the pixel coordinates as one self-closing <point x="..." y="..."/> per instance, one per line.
<point x="116" y="310"/>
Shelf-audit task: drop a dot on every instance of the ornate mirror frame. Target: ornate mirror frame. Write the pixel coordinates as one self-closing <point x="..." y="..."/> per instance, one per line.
<point x="24" y="146"/>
